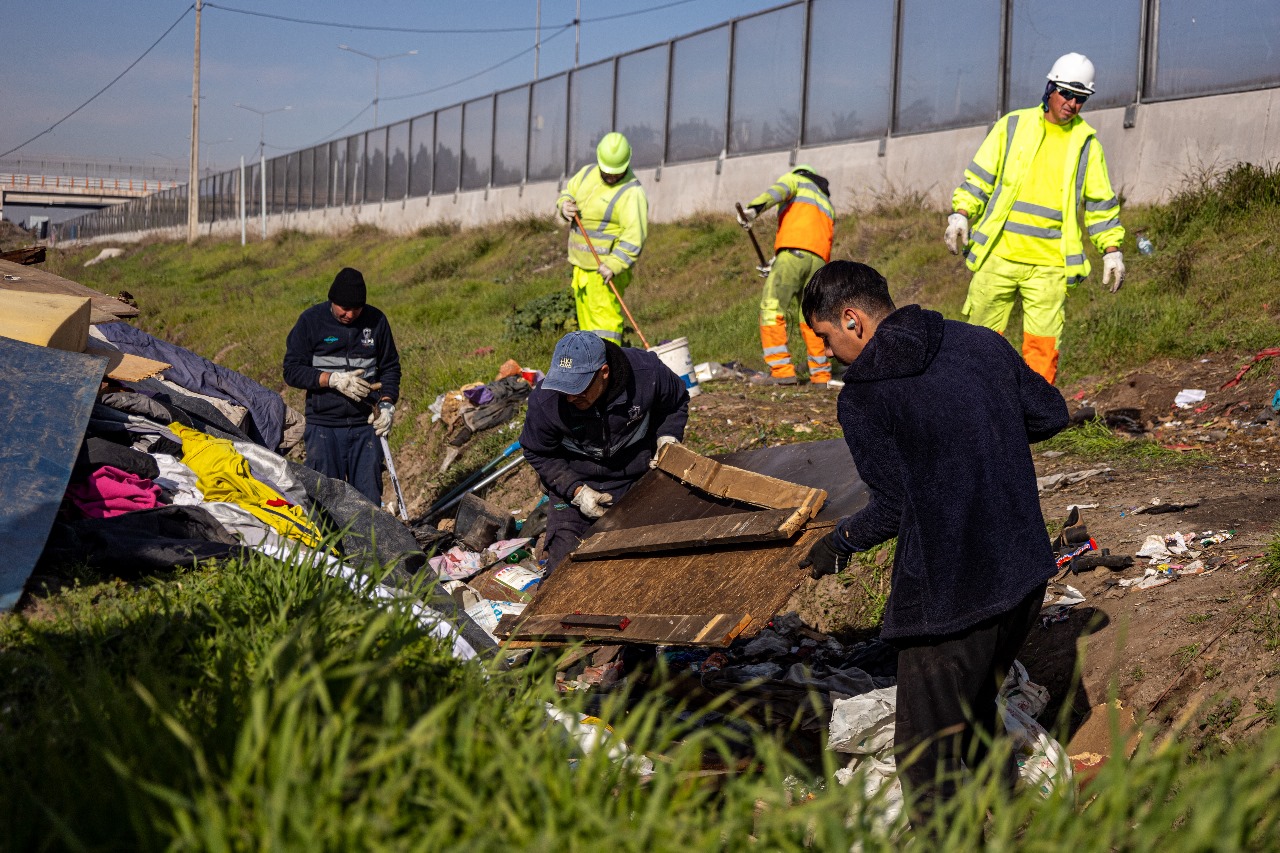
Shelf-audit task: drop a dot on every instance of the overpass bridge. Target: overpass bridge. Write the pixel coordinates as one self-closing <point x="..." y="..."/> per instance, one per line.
<point x="80" y="185"/>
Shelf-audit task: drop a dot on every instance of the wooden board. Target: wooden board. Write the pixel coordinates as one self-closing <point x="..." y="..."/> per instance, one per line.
<point x="105" y="308"/>
<point x="762" y="525"/>
<point x="715" y="629"/>
<point x="124" y="366"/>
<point x="737" y="484"/>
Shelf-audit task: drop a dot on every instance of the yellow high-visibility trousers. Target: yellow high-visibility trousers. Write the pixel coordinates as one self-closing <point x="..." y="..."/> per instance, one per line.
<point x="1044" y="297"/>
<point x="791" y="271"/>
<point x="599" y="311"/>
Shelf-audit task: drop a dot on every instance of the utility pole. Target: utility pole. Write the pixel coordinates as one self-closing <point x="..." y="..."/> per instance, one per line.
<point x="577" y="30"/>
<point x="537" y="38"/>
<point x="193" y="174"/>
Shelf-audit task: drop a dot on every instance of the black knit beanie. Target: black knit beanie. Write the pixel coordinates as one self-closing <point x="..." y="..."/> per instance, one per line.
<point x="347" y="289"/>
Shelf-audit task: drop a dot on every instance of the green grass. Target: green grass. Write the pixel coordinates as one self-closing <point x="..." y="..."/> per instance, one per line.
<point x="266" y="705"/>
<point x="1094" y="440"/>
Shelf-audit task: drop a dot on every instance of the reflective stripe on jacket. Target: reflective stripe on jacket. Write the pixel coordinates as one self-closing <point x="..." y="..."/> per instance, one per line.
<point x="616" y="218"/>
<point x="993" y="180"/>
<point x="805" y="217"/>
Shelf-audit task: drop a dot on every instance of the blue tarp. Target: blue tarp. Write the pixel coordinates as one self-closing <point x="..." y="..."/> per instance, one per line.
<point x="46" y="396"/>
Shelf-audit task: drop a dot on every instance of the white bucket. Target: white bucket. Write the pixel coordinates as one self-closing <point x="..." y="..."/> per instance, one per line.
<point x="675" y="355"/>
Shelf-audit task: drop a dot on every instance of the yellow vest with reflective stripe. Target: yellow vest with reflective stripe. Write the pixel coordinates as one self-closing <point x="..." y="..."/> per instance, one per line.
<point x="994" y="181"/>
<point x="805" y="217"/>
<point x="616" y="219"/>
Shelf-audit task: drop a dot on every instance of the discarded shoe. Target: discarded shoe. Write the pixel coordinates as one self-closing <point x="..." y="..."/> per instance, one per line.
<point x="767" y="379"/>
<point x="1074" y="532"/>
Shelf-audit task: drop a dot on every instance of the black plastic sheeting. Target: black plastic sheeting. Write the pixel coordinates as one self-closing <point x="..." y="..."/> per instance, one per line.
<point x="46" y="396"/>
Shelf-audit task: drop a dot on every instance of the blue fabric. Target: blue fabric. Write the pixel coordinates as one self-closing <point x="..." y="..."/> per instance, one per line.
<point x="352" y="454"/>
<point x="565" y="529"/>
<point x="607" y="447"/>
<point x="46" y="397"/>
<point x="939" y="417"/>
<point x="265" y="424"/>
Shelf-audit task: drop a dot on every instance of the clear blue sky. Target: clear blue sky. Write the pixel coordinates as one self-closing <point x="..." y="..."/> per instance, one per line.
<point x="63" y="51"/>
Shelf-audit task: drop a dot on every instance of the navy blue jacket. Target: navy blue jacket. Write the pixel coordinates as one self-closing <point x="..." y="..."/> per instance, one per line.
<point x="939" y="416"/>
<point x="320" y="344"/>
<point x="607" y="447"/>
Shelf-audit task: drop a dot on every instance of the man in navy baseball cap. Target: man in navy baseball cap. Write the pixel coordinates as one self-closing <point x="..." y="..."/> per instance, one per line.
<point x="594" y="426"/>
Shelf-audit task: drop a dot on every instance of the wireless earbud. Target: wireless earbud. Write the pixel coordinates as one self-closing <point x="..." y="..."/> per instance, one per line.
<point x="852" y="325"/>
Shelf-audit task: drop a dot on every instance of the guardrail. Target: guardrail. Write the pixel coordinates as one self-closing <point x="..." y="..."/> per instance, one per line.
<point x="46" y="183"/>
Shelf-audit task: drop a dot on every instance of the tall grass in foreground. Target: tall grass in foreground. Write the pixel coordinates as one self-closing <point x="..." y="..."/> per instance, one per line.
<point x="263" y="705"/>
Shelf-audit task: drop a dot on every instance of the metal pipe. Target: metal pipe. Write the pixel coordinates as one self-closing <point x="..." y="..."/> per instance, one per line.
<point x="480" y="485"/>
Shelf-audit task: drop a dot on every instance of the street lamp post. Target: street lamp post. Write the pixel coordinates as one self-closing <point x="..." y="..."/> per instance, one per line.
<point x="262" y="128"/>
<point x="377" y="71"/>
<point x="262" y="161"/>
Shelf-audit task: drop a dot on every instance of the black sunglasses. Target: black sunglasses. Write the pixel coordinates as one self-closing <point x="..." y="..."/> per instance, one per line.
<point x="1071" y="96"/>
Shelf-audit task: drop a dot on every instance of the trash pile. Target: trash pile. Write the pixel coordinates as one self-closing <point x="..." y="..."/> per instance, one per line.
<point x="169" y="459"/>
<point x="478" y="406"/>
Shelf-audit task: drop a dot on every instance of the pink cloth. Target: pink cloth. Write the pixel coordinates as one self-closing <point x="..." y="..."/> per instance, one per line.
<point x="110" y="492"/>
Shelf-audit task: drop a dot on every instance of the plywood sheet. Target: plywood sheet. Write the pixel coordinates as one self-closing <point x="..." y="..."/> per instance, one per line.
<point x="737" y="484"/>
<point x="757" y="526"/>
<point x="715" y="629"/>
<point x="105" y="308"/>
<point x="659" y="498"/>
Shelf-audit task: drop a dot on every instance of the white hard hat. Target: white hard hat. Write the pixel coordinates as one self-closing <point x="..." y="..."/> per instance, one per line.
<point x="1073" y="71"/>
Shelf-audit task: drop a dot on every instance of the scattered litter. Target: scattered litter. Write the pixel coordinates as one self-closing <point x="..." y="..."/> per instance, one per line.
<point x="1057" y="481"/>
<point x="104" y="255"/>
<point x="1157" y="507"/>
<point x="517" y="578"/>
<point x="1071" y="554"/>
<point x="589" y="733"/>
<point x="1151" y="578"/>
<point x="1052" y="454"/>
<point x="487" y="613"/>
<point x="1058" y="601"/>
<point x="1078" y="507"/>
<point x="1188" y="397"/>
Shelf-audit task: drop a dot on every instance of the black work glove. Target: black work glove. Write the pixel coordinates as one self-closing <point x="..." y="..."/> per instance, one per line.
<point x="825" y="559"/>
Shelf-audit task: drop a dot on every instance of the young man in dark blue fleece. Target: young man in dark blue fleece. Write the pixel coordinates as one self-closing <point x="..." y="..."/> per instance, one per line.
<point x="338" y="350"/>
<point x="594" y="425"/>
<point x="939" y="417"/>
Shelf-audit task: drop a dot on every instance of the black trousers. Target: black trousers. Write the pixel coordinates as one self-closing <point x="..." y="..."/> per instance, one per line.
<point x="947" y="689"/>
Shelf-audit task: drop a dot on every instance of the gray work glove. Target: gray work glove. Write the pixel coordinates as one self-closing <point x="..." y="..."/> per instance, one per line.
<point x="606" y="272"/>
<point x="1113" y="269"/>
<point x="747" y="217"/>
<point x="350" y="383"/>
<point x="569" y="208"/>
<point x="591" y="503"/>
<point x="957" y="234"/>
<point x="663" y="441"/>
<point x="381" y="418"/>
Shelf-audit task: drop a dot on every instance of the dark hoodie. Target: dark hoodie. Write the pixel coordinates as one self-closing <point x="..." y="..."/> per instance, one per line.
<point x="939" y="416"/>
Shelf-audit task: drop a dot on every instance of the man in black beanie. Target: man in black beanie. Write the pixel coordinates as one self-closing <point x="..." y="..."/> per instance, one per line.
<point x="338" y="350"/>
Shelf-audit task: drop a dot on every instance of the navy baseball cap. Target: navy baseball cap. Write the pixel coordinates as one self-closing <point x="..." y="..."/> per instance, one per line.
<point x="577" y="357"/>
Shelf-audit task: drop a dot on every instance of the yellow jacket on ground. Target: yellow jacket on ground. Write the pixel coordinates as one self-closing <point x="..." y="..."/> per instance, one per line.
<point x="805" y="217"/>
<point x="1000" y="176"/>
<point x="616" y="218"/>
<point x="223" y="475"/>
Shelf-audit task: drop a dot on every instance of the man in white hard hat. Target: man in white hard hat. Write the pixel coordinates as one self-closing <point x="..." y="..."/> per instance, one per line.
<point x="1021" y="194"/>
<point x="614" y="210"/>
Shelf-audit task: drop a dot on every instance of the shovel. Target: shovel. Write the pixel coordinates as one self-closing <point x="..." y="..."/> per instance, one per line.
<point x="764" y="267"/>
<point x="395" y="481"/>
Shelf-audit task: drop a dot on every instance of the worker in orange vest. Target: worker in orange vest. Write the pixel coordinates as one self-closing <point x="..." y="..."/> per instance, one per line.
<point x="806" y="223"/>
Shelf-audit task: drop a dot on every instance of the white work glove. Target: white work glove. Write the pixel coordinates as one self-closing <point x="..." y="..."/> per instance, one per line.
<point x="381" y="418"/>
<point x="663" y="441"/>
<point x="747" y="216"/>
<point x="1113" y="269"/>
<point x="592" y="503"/>
<point x="350" y="383"/>
<point x="957" y="236"/>
<point x="569" y="208"/>
<point x="605" y="271"/>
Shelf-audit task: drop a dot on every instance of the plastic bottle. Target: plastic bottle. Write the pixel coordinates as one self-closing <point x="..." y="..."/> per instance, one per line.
<point x="1144" y="245"/>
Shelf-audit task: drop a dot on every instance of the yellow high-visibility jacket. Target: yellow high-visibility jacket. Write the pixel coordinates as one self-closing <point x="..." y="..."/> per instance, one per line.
<point x="1001" y="167"/>
<point x="806" y="219"/>
<point x="616" y="218"/>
